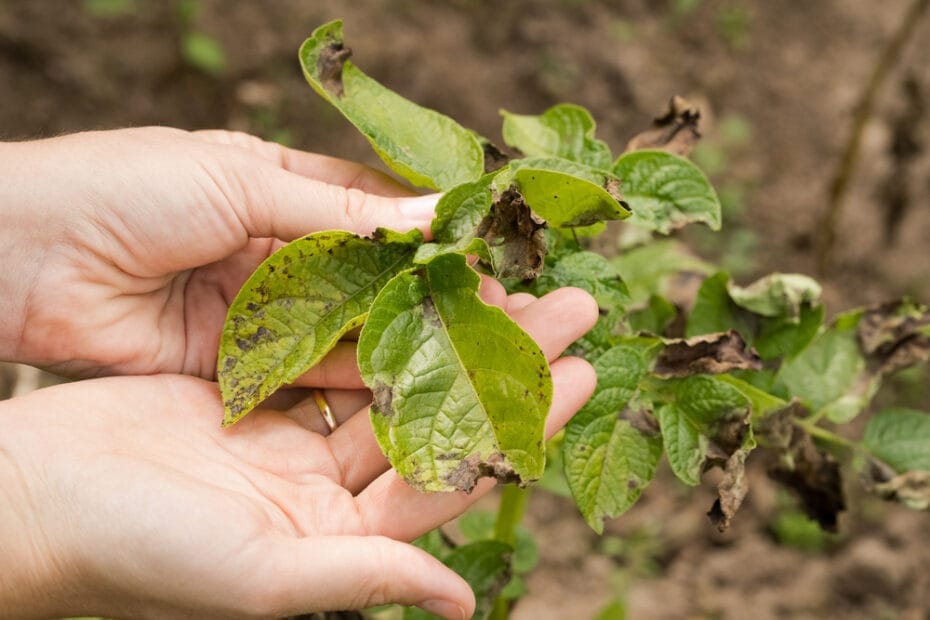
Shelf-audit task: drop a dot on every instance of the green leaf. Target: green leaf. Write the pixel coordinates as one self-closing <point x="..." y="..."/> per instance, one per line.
<point x="425" y="147"/>
<point x="610" y="454"/>
<point x="714" y="311"/>
<point x="666" y="191"/>
<point x="585" y="270"/>
<point x="445" y="370"/>
<point x="830" y="374"/>
<point x="485" y="565"/>
<point x="564" y="193"/>
<point x="654" y="317"/>
<point x="204" y="52"/>
<point x="703" y="409"/>
<point x="648" y="269"/>
<point x="901" y="438"/>
<point x="762" y="402"/>
<point x="297" y="305"/>
<point x="565" y="130"/>
<point x="459" y="213"/>
<point x="478" y="525"/>
<point x="784" y="337"/>
<point x="777" y="295"/>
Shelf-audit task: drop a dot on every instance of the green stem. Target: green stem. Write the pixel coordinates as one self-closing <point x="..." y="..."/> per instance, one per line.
<point x="509" y="515"/>
<point x="828" y="436"/>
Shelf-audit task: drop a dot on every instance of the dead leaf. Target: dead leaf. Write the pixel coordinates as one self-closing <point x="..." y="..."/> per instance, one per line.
<point x="910" y="488"/>
<point x="494" y="158"/>
<point x="676" y="131"/>
<point x="895" y="335"/>
<point x="515" y="235"/>
<point x="776" y="429"/>
<point x="710" y="354"/>
<point x="815" y="478"/>
<point x="731" y="491"/>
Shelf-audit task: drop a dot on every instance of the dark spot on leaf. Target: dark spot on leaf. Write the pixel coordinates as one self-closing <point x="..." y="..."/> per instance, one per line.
<point x="515" y="235"/>
<point x="776" y="429"/>
<point x="494" y="158"/>
<point x="895" y="335"/>
<point x="642" y="420"/>
<point x="675" y="131"/>
<point x="465" y="476"/>
<point x="632" y="484"/>
<point x="713" y="354"/>
<point x="382" y="397"/>
<point x="329" y="66"/>
<point x="242" y="344"/>
<point x="731" y="491"/>
<point x="229" y="363"/>
<point x="252" y="306"/>
<point x="814" y="476"/>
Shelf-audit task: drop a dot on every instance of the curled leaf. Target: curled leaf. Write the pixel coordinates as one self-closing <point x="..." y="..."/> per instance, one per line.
<point x="565" y="130"/>
<point x="910" y="488"/>
<point x="895" y="335"/>
<point x="731" y="491"/>
<point x="713" y="354"/>
<point x="515" y="237"/>
<point x="777" y="295"/>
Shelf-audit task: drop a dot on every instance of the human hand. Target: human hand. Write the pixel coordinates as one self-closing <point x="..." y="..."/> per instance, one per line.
<point x="124" y="497"/>
<point x="124" y="248"/>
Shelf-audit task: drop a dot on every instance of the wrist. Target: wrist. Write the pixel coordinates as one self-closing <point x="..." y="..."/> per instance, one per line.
<point x="37" y="575"/>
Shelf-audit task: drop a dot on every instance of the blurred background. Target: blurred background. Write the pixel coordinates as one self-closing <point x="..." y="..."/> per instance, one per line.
<point x="817" y="137"/>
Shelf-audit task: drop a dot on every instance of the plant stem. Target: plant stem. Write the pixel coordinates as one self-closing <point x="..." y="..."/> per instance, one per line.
<point x="509" y="515"/>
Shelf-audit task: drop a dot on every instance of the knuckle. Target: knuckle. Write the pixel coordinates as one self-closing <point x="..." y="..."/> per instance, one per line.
<point x="357" y="210"/>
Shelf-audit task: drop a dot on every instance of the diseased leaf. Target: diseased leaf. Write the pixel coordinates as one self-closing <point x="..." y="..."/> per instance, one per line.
<point x="911" y="488"/>
<point x="515" y="237"/>
<point x="901" y="438"/>
<point x="731" y="491"/>
<point x="814" y="476"/>
<point x="565" y="130"/>
<point x="297" y="305"/>
<point x="425" y="147"/>
<point x="676" y="131"/>
<point x="610" y="453"/>
<point x="704" y="418"/>
<point x="564" y="193"/>
<point x="777" y="295"/>
<point x="485" y="565"/>
<point x="714" y="353"/>
<point x="895" y="335"/>
<point x="666" y="192"/>
<point x="445" y="370"/>
<point x="459" y="214"/>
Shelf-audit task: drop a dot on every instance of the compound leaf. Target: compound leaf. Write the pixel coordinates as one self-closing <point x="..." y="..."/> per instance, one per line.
<point x="586" y="270"/>
<point x="565" y="130"/>
<point x="297" y="305"/>
<point x="610" y="454"/>
<point x="666" y="191"/>
<point x="423" y="146"/>
<point x="901" y="438"/>
<point x="460" y="391"/>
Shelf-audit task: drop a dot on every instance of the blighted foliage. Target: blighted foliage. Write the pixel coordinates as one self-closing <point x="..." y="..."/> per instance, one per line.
<point x="705" y="380"/>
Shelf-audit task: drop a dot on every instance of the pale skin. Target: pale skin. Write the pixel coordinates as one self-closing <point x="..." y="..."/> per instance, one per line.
<point x="123" y="496"/>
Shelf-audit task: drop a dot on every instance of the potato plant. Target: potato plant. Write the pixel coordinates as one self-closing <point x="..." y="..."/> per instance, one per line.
<point x="461" y="392"/>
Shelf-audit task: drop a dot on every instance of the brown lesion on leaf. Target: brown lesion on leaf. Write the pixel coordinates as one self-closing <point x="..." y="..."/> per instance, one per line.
<point x="912" y="488"/>
<point x="731" y="491"/>
<point x="895" y="335"/>
<point x="642" y="420"/>
<point x="472" y="468"/>
<point x="494" y="158"/>
<point x="515" y="235"/>
<point x="329" y="67"/>
<point x="676" y="131"/>
<point x="382" y="399"/>
<point x="711" y="354"/>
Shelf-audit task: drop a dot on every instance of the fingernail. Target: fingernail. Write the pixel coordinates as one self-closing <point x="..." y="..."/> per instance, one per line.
<point x="446" y="609"/>
<point x="419" y="208"/>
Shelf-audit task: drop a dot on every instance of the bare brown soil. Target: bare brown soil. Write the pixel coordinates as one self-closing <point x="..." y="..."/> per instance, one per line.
<point x="777" y="82"/>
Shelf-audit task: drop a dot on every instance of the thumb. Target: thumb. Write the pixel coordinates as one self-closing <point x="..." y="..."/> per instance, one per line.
<point x="286" y="205"/>
<point x="332" y="573"/>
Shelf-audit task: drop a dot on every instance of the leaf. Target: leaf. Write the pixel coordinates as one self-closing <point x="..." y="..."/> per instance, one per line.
<point x="706" y="417"/>
<point x="565" y="130"/>
<point x="297" y="305"/>
<point x="676" y="131"/>
<point x="714" y="311"/>
<point x="459" y="214"/>
<point x="425" y="147"/>
<point x="515" y="237"/>
<point x="895" y="335"/>
<point x="445" y="370"/>
<point x="478" y="525"/>
<point x="785" y="337"/>
<point x="910" y="488"/>
<point x="666" y="192"/>
<point x="564" y="193"/>
<point x="611" y="454"/>
<point x="731" y="491"/>
<point x="901" y="438"/>
<point x="485" y="565"/>
<point x="714" y="353"/>
<point x="651" y="269"/>
<point x="654" y="317"/>
<point x="777" y="295"/>
<point x="830" y="373"/>
<point x="588" y="271"/>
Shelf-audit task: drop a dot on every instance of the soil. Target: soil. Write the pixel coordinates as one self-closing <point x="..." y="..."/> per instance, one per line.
<point x="777" y="83"/>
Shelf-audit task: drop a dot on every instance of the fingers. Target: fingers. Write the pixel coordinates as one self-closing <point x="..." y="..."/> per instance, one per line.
<point x="390" y="507"/>
<point x="554" y="321"/>
<point x="353" y="572"/>
<point x="343" y="404"/>
<point x="312" y="165"/>
<point x="339" y="369"/>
